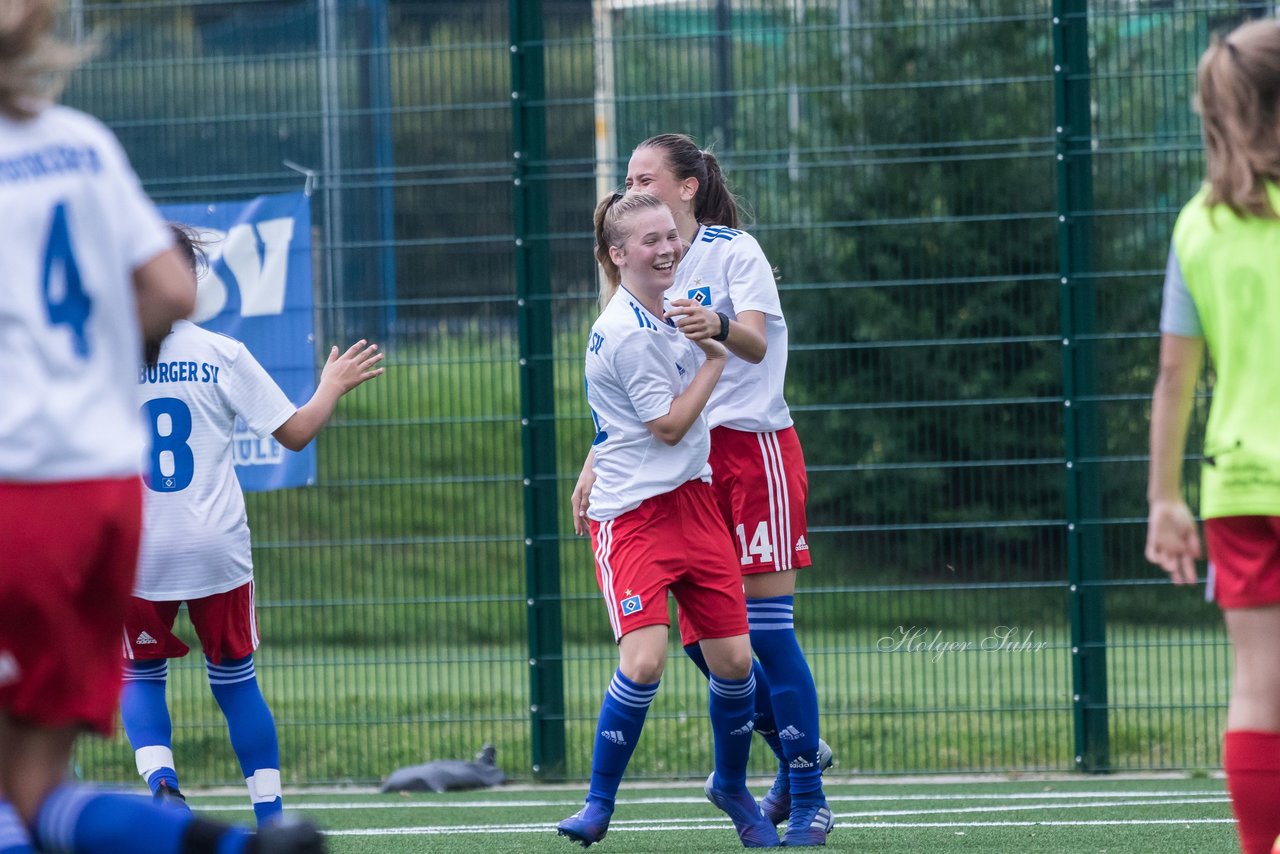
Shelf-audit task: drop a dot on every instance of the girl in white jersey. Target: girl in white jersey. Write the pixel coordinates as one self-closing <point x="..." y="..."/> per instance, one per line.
<point x="195" y="545"/>
<point x="87" y="268"/>
<point x="724" y="290"/>
<point x="1222" y="294"/>
<point x="653" y="518"/>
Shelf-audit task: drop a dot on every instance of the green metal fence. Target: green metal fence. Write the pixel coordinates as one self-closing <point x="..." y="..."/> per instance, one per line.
<point x="969" y="206"/>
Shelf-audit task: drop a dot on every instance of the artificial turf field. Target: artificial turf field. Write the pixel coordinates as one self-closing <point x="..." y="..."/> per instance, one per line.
<point x="1070" y="814"/>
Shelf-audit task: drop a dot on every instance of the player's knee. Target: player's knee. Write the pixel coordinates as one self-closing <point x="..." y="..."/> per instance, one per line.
<point x="644" y="666"/>
<point x="731" y="663"/>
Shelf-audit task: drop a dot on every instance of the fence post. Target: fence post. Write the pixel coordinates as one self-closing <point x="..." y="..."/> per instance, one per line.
<point x="537" y="390"/>
<point x="1086" y="570"/>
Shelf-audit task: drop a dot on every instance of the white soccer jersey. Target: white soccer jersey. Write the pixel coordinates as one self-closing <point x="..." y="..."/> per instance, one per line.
<point x="195" y="535"/>
<point x="637" y="364"/>
<point x="725" y="269"/>
<point x="74" y="225"/>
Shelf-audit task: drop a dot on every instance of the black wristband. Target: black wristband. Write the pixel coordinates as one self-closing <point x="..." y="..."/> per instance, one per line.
<point x="724" y="327"/>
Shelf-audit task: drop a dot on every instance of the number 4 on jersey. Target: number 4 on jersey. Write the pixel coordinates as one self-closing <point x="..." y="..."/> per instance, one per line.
<point x="760" y="546"/>
<point x="65" y="301"/>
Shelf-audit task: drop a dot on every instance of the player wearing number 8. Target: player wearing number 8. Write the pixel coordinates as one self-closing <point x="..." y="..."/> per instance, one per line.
<point x="195" y="547"/>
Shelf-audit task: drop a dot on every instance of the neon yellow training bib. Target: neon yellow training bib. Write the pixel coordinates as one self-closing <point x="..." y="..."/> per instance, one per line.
<point x="1232" y="268"/>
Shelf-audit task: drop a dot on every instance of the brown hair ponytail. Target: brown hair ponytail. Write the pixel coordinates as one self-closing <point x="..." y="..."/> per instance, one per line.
<point x="714" y="204"/>
<point x="1238" y="84"/>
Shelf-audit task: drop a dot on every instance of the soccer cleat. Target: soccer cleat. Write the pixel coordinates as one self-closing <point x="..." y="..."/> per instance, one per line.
<point x="809" y="826"/>
<point x="587" y="825"/>
<point x="753" y="828"/>
<point x="776" y="803"/>
<point x="287" y="835"/>
<point x="170" y="797"/>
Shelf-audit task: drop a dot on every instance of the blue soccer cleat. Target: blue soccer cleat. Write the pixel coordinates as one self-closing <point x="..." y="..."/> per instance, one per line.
<point x="753" y="828"/>
<point x="167" y="796"/>
<point x="809" y="825"/>
<point x="776" y="803"/>
<point x="588" y="824"/>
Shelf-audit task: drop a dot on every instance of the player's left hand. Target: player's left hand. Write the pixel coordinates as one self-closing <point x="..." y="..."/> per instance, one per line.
<point x="691" y="318"/>
<point x="357" y="365"/>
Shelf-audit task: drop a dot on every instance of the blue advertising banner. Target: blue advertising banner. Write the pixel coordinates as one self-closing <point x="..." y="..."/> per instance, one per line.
<point x="257" y="289"/>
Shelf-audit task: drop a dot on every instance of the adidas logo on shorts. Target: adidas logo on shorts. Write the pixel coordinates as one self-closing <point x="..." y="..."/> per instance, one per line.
<point x="615" y="736"/>
<point x="801" y="545"/>
<point x="744" y="730"/>
<point x="790" y="734"/>
<point x="144" y="639"/>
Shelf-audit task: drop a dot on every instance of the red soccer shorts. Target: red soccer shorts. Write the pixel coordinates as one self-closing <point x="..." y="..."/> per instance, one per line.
<point x="1244" y="556"/>
<point x="68" y="555"/>
<point x="672" y="542"/>
<point x="761" y="486"/>
<point x="225" y="623"/>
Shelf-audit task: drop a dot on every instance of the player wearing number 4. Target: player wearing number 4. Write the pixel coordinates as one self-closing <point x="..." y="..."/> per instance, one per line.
<point x="86" y="265"/>
<point x="1222" y="290"/>
<point x="654" y="521"/>
<point x="195" y="546"/>
<point x="724" y="290"/>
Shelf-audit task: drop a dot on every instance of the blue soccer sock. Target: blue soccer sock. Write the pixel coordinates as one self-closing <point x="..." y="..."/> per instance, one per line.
<point x="732" y="704"/>
<point x="795" y="699"/>
<point x="14" y="838"/>
<point x="766" y="726"/>
<point x="85" y="821"/>
<point x="622" y="715"/>
<point x="253" y="732"/>
<point x="145" y="716"/>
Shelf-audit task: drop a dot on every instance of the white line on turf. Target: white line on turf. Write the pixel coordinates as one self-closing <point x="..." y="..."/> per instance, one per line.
<point x="655" y="827"/>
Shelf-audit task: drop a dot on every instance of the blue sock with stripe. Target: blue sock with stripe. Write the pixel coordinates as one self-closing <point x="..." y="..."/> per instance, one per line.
<point x="14" y="838"/>
<point x="145" y="715"/>
<point x="253" y="732"/>
<point x="622" y="715"/>
<point x="795" y="698"/>
<point x="766" y="726"/>
<point x="85" y="821"/>
<point x="732" y="704"/>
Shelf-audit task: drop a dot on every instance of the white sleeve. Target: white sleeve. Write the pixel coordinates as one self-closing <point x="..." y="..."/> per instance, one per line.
<point x="750" y="278"/>
<point x="141" y="228"/>
<point x="254" y="396"/>
<point x="1178" y="314"/>
<point x="641" y="370"/>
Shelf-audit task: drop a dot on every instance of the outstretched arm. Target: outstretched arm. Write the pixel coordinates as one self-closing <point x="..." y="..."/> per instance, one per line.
<point x="1172" y="541"/>
<point x="341" y="374"/>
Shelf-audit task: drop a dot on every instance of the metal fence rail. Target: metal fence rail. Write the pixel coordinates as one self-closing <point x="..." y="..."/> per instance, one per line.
<point x="969" y="207"/>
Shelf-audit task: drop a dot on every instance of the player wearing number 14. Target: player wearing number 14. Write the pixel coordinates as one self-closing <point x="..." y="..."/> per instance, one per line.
<point x="195" y="545"/>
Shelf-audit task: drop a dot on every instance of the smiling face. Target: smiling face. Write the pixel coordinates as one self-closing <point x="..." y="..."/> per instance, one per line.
<point x="649" y="172"/>
<point x="648" y="256"/>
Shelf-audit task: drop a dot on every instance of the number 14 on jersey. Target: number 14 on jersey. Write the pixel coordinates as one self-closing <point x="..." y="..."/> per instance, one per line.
<point x="760" y="546"/>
